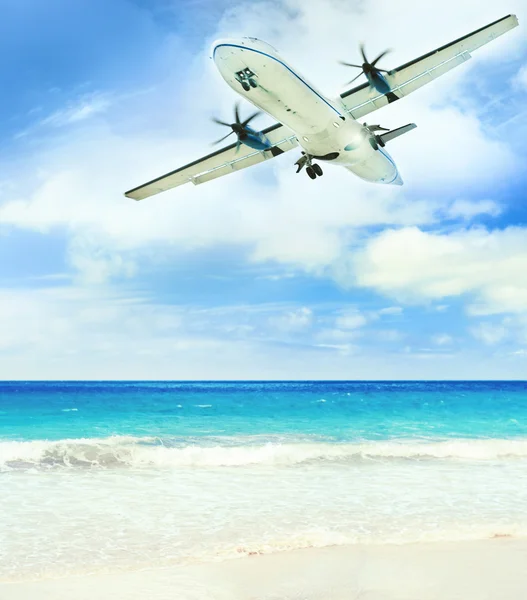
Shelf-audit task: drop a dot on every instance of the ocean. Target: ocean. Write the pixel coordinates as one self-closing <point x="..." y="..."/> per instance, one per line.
<point x="111" y="476"/>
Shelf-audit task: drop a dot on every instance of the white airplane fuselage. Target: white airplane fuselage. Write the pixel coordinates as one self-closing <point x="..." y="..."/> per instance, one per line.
<point x="322" y="126"/>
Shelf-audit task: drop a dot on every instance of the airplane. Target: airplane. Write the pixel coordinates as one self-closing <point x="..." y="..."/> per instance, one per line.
<point x="326" y="130"/>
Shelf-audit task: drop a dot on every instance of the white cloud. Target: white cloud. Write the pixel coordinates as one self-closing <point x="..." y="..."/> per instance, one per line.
<point x="75" y="183"/>
<point x="510" y="330"/>
<point x="442" y="339"/>
<point x="95" y="264"/>
<point x="489" y="333"/>
<point x="288" y="218"/>
<point x="293" y="321"/>
<point x="77" y="332"/>
<point x="81" y="109"/>
<point x="80" y="188"/>
<point x="389" y="335"/>
<point x="416" y="266"/>
<point x="391" y="310"/>
<point x="351" y="319"/>
<point x="520" y="80"/>
<point x="96" y="332"/>
<point x="341" y="328"/>
<point x="335" y="335"/>
<point x="467" y="209"/>
<point x="350" y="324"/>
<point x="343" y="349"/>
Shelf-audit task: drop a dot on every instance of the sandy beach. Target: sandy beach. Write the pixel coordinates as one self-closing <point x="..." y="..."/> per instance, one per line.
<point x="472" y="570"/>
<point x="263" y="491"/>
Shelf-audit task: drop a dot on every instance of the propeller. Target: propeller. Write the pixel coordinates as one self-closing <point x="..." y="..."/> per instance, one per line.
<point x="239" y="127"/>
<point x="374" y="128"/>
<point x="368" y="68"/>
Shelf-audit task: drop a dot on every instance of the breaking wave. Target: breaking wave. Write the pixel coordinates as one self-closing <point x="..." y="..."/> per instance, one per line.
<point x="137" y="452"/>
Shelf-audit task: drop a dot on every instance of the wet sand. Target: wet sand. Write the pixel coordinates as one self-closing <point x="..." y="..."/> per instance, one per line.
<point x="473" y="570"/>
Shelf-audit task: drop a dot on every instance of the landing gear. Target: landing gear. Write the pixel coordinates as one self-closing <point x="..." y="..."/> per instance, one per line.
<point x="247" y="79"/>
<point x="312" y="170"/>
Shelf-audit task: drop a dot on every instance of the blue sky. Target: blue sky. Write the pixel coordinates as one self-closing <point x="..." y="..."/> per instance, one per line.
<point x="262" y="274"/>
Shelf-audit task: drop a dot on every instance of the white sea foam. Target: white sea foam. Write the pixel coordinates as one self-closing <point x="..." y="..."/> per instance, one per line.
<point x="323" y="539"/>
<point x="129" y="451"/>
<point x="129" y="502"/>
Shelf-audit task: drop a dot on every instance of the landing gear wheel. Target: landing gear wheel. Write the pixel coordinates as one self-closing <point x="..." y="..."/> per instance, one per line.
<point x="245" y="86"/>
<point x="318" y="170"/>
<point x="311" y="172"/>
<point x="253" y="83"/>
<point x="374" y="144"/>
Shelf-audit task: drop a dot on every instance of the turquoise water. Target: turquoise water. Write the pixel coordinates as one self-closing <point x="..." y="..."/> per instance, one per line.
<point x="334" y="410"/>
<point x="117" y="475"/>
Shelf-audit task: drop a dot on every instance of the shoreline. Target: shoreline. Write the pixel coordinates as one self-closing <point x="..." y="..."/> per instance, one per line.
<point x="468" y="570"/>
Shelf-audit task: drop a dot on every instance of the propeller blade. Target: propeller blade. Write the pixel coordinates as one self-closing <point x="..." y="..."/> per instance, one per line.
<point x="220" y="122"/>
<point x="349" y="64"/>
<point x="223" y="138"/>
<point x="377" y="128"/>
<point x="379" y="57"/>
<point x="354" y="79"/>
<point x="247" y="121"/>
<point x="237" y="112"/>
<point x="238" y="144"/>
<point x="363" y="53"/>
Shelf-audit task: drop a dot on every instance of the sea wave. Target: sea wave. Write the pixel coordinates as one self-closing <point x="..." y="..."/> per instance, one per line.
<point x="325" y="539"/>
<point x="144" y="452"/>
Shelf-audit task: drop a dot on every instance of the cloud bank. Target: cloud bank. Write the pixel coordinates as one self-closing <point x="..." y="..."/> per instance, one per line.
<point x="432" y="241"/>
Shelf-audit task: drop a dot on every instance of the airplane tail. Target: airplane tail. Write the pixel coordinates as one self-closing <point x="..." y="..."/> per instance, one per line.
<point x="390" y="135"/>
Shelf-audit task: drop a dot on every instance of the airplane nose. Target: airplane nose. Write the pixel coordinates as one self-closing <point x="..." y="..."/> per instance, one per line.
<point x="224" y="48"/>
<point x="232" y="46"/>
<point x="215" y="48"/>
<point x="398" y="180"/>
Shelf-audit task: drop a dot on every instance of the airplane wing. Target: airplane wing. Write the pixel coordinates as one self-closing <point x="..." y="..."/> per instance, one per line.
<point x="219" y="163"/>
<point x="407" y="78"/>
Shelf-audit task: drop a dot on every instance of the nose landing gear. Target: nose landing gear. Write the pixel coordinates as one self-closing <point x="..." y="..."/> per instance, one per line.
<point x="312" y="170"/>
<point x="246" y="79"/>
